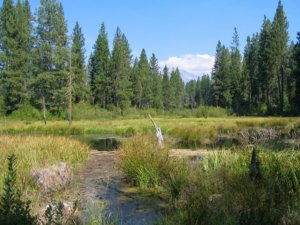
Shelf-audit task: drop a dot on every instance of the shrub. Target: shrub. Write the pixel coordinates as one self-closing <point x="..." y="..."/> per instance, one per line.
<point x="85" y="111"/>
<point x="210" y="111"/>
<point x="14" y="211"/>
<point x="26" y="112"/>
<point x="141" y="159"/>
<point x="2" y="106"/>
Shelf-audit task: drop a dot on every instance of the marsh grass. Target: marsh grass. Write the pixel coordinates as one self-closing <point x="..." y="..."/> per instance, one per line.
<point x="96" y="214"/>
<point x="220" y="190"/>
<point x="36" y="152"/>
<point x="142" y="161"/>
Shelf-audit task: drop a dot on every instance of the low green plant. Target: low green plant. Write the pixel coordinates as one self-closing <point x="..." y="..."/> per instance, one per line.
<point x="26" y="112"/>
<point x="177" y="178"/>
<point x="210" y="111"/>
<point x="55" y="215"/>
<point x="96" y="214"/>
<point x="13" y="210"/>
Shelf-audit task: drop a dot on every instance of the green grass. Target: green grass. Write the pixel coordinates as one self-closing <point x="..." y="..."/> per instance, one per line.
<point x="144" y="125"/>
<point x="218" y="189"/>
<point x="36" y="152"/>
<point x="143" y="162"/>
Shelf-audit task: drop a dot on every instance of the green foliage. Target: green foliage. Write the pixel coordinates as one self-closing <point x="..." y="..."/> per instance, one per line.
<point x="120" y="70"/>
<point x="85" y="111"/>
<point x="51" y="57"/>
<point x="166" y="88"/>
<point x="221" y="77"/>
<point x="176" y="90"/>
<point x="55" y="215"/>
<point x="14" y="211"/>
<point x="210" y="111"/>
<point x="26" y="112"/>
<point x="99" y="63"/>
<point x="78" y="65"/>
<point x="296" y="74"/>
<point x="16" y="44"/>
<point x="156" y="87"/>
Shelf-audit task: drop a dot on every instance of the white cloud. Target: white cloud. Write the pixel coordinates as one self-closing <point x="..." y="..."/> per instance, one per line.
<point x="191" y="65"/>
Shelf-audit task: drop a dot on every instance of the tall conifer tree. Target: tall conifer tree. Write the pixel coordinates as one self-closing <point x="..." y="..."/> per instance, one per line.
<point x="166" y="88"/>
<point x="279" y="46"/>
<point x="78" y="64"/>
<point x="99" y="70"/>
<point x="120" y="67"/>
<point x="156" y="84"/>
<point x="16" y="44"/>
<point x="52" y="56"/>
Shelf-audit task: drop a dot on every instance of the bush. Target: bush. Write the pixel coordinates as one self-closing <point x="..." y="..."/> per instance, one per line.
<point x="143" y="161"/>
<point x="26" y="112"/>
<point x="85" y="111"/>
<point x="210" y="111"/>
<point x="14" y="211"/>
<point x="2" y="106"/>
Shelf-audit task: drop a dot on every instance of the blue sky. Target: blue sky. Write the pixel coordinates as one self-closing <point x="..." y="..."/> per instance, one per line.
<point x="181" y="33"/>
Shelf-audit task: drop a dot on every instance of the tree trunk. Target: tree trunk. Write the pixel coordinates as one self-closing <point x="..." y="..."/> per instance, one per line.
<point x="44" y="110"/>
<point x="70" y="92"/>
<point x="159" y="135"/>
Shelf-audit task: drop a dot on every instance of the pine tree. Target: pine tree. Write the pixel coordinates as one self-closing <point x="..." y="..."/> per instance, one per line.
<point x="236" y="79"/>
<point x="120" y="72"/>
<point x="221" y="77"/>
<point x="166" y="88"/>
<point x="198" y="96"/>
<point x="190" y="94"/>
<point x="136" y="84"/>
<point x="205" y="89"/>
<point x="16" y="44"/>
<point x="78" y="64"/>
<point x="176" y="90"/>
<point x="265" y="63"/>
<point x="250" y="70"/>
<point x="296" y="75"/>
<point x="145" y="93"/>
<point x="279" y="45"/>
<point x="51" y="56"/>
<point x="99" y="70"/>
<point x="156" y="84"/>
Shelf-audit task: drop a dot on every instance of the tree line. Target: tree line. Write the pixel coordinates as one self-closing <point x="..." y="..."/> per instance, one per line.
<point x="42" y="66"/>
<point x="266" y="79"/>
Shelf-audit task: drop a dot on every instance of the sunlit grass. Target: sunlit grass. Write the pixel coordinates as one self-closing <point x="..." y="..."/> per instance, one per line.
<point x="134" y="126"/>
<point x="38" y="151"/>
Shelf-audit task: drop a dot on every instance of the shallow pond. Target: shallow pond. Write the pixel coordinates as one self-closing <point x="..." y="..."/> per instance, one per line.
<point x="101" y="180"/>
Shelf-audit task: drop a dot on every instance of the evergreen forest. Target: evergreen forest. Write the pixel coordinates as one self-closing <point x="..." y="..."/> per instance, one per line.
<point x="43" y="67"/>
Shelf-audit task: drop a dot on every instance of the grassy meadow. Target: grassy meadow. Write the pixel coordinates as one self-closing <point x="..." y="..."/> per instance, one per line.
<point x="175" y="126"/>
